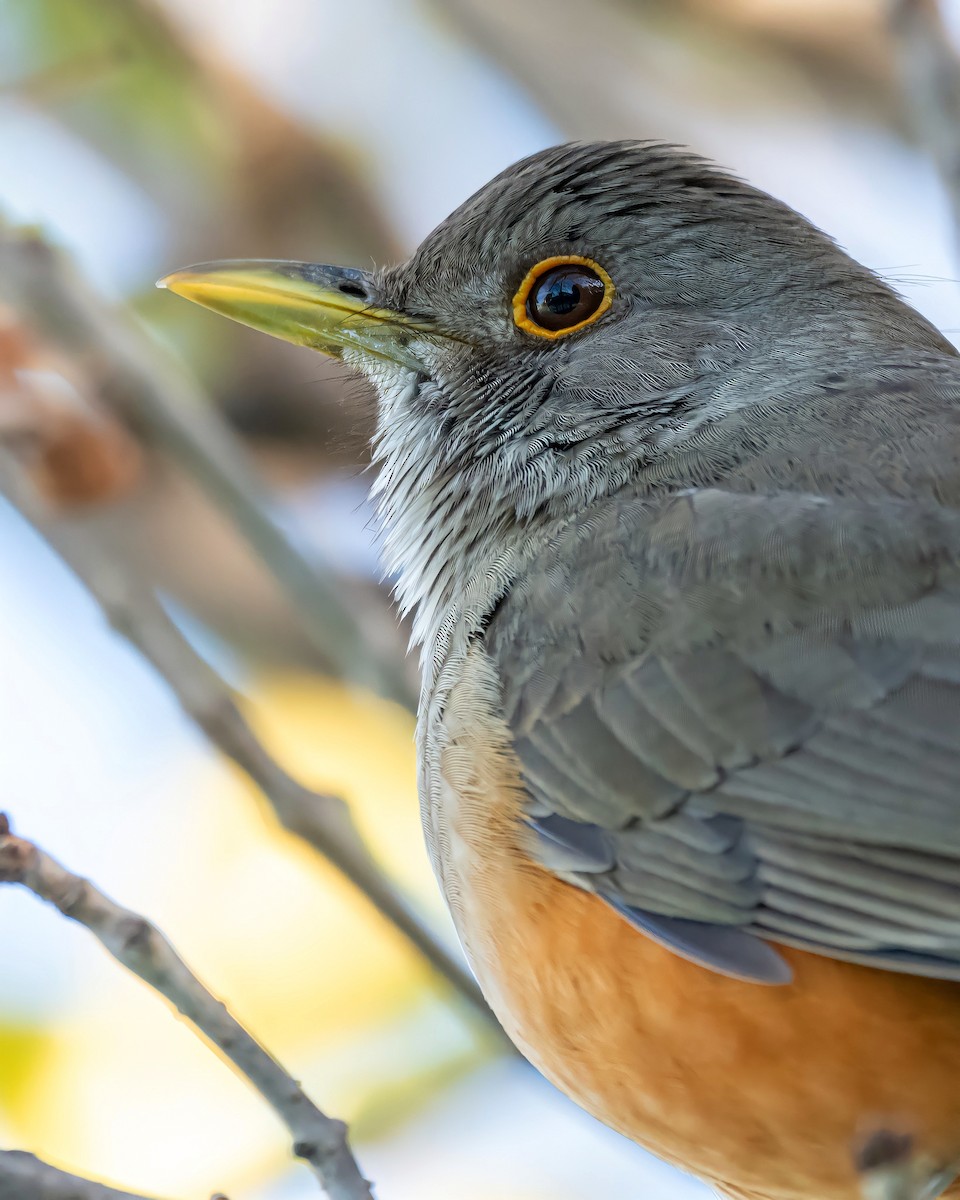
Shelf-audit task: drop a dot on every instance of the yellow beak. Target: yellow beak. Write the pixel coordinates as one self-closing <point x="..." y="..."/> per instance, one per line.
<point x="327" y="308"/>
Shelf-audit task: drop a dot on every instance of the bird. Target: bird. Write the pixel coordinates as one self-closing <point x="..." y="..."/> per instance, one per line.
<point x="670" y="485"/>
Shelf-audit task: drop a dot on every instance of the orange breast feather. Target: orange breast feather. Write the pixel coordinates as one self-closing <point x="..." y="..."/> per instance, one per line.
<point x="762" y="1090"/>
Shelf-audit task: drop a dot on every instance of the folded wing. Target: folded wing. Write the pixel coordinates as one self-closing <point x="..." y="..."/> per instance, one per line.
<point x="737" y="719"/>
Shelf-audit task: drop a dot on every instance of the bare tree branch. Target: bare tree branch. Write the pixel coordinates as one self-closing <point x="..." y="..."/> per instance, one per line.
<point x="930" y="72"/>
<point x="319" y="1140"/>
<point x="147" y="387"/>
<point x="322" y="821"/>
<point x="25" y="1177"/>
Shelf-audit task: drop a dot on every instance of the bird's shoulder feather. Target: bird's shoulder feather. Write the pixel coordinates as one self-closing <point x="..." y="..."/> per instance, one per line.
<point x="736" y="715"/>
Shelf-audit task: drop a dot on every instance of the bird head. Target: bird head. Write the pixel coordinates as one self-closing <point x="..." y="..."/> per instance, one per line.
<point x="578" y="319"/>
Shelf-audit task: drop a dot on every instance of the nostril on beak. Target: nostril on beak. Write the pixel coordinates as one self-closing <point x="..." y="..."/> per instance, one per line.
<point x="352" y="289"/>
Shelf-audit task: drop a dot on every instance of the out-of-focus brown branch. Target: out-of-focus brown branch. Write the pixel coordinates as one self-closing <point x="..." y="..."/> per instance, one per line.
<point x="657" y="65"/>
<point x="78" y="452"/>
<point x="319" y="1140"/>
<point x="322" y="821"/>
<point x="25" y="1177"/>
<point x="233" y="173"/>
<point x="930" y="74"/>
<point x="148" y="389"/>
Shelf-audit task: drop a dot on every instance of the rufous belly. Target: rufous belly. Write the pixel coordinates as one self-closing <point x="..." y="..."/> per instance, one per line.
<point x="763" y="1091"/>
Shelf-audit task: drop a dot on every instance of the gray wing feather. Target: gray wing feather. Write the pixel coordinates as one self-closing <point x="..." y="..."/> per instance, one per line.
<point x="734" y="728"/>
<point x="729" y="951"/>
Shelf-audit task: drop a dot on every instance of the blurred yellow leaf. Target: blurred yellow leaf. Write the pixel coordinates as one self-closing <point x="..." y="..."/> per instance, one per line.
<point x="346" y="965"/>
<point x="344" y="740"/>
<point x="24" y="1049"/>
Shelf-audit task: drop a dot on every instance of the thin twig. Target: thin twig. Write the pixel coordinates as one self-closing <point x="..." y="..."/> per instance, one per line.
<point x="25" y="1177"/>
<point x="148" y="388"/>
<point x="319" y="1140"/>
<point x="321" y="820"/>
<point x="930" y="72"/>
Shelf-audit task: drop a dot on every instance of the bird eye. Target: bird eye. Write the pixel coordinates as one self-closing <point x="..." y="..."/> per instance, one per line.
<point x="560" y="295"/>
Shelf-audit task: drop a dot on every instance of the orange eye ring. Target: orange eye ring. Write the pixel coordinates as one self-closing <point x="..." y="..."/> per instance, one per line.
<point x="583" y="287"/>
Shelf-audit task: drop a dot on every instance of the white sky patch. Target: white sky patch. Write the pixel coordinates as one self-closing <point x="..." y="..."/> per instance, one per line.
<point x="53" y="179"/>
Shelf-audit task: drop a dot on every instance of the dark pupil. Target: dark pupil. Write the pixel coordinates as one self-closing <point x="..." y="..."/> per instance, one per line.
<point x="562" y="296"/>
<point x="565" y="296"/>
